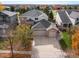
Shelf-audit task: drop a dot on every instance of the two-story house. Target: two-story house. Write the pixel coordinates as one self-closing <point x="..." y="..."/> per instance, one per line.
<point x="67" y="18"/>
<point x="32" y="16"/>
<point x="41" y="27"/>
<point x="62" y="19"/>
<point x="7" y="20"/>
<point x="73" y="16"/>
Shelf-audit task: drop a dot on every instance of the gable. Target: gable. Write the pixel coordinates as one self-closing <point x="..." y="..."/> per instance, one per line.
<point x="9" y="13"/>
<point x="64" y="17"/>
<point x="39" y="25"/>
<point x="52" y="27"/>
<point x="32" y="13"/>
<point x="74" y="15"/>
<point x="1" y="14"/>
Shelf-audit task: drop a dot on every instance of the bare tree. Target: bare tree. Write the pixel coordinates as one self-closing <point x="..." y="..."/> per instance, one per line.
<point x="10" y="39"/>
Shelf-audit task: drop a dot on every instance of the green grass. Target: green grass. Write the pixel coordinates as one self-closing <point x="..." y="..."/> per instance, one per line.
<point x="65" y="41"/>
<point x="4" y="44"/>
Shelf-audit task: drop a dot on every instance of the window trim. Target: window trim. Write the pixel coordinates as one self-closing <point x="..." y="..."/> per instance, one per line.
<point x="36" y="18"/>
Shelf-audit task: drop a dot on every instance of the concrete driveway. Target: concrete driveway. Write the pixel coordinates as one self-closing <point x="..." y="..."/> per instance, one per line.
<point x="47" y="48"/>
<point x="46" y="41"/>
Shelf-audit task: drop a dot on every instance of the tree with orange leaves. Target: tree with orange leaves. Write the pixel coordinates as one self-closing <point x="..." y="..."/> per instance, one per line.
<point x="75" y="39"/>
<point x="2" y="7"/>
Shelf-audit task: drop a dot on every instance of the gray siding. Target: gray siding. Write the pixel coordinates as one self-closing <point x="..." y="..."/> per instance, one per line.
<point x="13" y="20"/>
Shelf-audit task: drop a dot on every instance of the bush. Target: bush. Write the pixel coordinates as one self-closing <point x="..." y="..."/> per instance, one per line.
<point x="66" y="38"/>
<point x="63" y="44"/>
<point x="23" y="33"/>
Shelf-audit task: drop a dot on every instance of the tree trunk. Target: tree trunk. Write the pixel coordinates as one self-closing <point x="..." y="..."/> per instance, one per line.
<point x="11" y="46"/>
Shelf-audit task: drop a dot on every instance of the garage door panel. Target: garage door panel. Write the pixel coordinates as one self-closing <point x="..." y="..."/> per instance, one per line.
<point x="39" y="33"/>
<point x="52" y="34"/>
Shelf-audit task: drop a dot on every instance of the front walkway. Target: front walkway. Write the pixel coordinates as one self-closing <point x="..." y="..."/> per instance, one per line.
<point x="47" y="48"/>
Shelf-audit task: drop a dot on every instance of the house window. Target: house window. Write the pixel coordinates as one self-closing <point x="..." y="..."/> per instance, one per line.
<point x="76" y="23"/>
<point x="70" y="25"/>
<point x="1" y="18"/>
<point x="64" y="25"/>
<point x="77" y="19"/>
<point x="36" y="18"/>
<point x="30" y="19"/>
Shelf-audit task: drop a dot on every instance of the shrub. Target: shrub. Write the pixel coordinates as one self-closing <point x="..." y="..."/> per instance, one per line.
<point x="63" y="44"/>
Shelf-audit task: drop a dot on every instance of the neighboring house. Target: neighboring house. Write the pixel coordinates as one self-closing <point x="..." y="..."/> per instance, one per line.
<point x="57" y="7"/>
<point x="8" y="17"/>
<point x="7" y="20"/>
<point x="32" y="17"/>
<point x="42" y="6"/>
<point x="73" y="16"/>
<point x="7" y="7"/>
<point x="63" y="20"/>
<point x="4" y="31"/>
<point x="67" y="18"/>
<point x="44" y="28"/>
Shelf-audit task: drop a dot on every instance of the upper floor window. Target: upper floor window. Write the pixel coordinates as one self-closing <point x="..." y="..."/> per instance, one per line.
<point x="65" y="25"/>
<point x="70" y="25"/>
<point x="36" y="18"/>
<point x="30" y="19"/>
<point x="77" y="19"/>
<point x="1" y="18"/>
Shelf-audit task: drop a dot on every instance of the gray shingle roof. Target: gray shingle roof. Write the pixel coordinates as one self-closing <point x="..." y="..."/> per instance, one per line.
<point x="32" y="13"/>
<point x="65" y="19"/>
<point x="70" y="11"/>
<point x="9" y="13"/>
<point x="44" y="23"/>
<point x="74" y="15"/>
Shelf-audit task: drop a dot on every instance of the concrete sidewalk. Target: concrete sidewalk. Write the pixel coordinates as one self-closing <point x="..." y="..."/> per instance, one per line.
<point x="20" y="52"/>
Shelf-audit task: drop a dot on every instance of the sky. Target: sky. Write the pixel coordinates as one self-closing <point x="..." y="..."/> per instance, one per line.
<point x="39" y="1"/>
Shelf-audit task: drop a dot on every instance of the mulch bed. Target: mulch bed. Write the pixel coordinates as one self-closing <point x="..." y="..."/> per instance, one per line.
<point x="8" y="55"/>
<point x="18" y="47"/>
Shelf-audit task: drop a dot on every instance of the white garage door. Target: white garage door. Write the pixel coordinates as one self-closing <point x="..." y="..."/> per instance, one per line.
<point x="39" y="33"/>
<point x="52" y="34"/>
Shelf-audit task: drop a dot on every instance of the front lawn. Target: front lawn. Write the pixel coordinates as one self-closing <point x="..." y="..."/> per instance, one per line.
<point x="4" y="44"/>
<point x="17" y="45"/>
